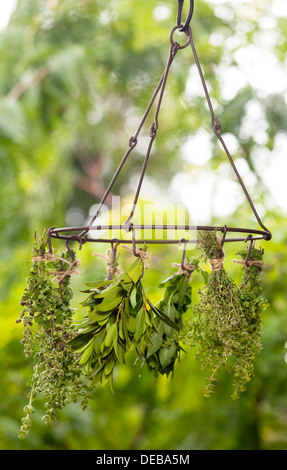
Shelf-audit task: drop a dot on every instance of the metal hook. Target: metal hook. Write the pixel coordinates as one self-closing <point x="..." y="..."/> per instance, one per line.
<point x="135" y="251"/>
<point x="179" y="13"/>
<point x="70" y="251"/>
<point x="114" y="244"/>
<point x="223" y="235"/>
<point x="183" y="253"/>
<point x="80" y="239"/>
<point x="249" y="237"/>
<point x="49" y="242"/>
<point x="128" y="225"/>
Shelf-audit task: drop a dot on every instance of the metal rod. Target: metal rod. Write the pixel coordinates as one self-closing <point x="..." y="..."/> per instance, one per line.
<point x="216" y="126"/>
<point x="56" y="231"/>
<point x="133" y="140"/>
<point x="153" y="242"/>
<point x="153" y="130"/>
<point x="82" y="237"/>
<point x="63" y="234"/>
<point x="179" y="13"/>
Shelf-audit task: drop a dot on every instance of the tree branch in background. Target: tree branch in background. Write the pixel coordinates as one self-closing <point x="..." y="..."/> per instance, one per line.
<point x="36" y="78"/>
<point x="93" y="182"/>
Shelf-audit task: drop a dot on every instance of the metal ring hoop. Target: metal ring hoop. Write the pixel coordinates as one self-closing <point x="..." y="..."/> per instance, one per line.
<point x="68" y="233"/>
<point x="173" y="43"/>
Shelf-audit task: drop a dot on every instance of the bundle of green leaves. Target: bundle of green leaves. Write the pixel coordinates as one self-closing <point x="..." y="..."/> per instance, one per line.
<point x="220" y="327"/>
<point x="120" y="319"/>
<point x="253" y="303"/>
<point x="47" y="321"/>
<point x="165" y="347"/>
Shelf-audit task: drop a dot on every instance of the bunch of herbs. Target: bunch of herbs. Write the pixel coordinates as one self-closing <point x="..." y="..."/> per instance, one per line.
<point x="253" y="303"/>
<point x="120" y="318"/>
<point x="164" y="348"/>
<point x="220" y="327"/>
<point x="47" y="322"/>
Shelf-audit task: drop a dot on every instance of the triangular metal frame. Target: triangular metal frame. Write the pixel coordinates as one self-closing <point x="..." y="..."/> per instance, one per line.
<point x="83" y="234"/>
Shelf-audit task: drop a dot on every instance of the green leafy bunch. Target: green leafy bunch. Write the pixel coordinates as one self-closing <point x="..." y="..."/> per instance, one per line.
<point x="46" y="317"/>
<point x="120" y="319"/>
<point x="165" y="347"/>
<point x="253" y="303"/>
<point x="220" y="326"/>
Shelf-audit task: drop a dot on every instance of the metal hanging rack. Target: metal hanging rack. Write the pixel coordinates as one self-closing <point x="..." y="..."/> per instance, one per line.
<point x="83" y="234"/>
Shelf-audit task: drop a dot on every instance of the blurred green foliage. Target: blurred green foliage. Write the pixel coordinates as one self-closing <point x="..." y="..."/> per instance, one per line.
<point x="75" y="78"/>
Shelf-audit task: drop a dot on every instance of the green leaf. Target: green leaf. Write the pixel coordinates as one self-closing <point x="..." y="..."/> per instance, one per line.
<point x="121" y="330"/>
<point x="148" y="320"/>
<point x="80" y="341"/>
<point x="139" y="296"/>
<point x="110" y="364"/>
<point x="89" y="301"/>
<point x="162" y="316"/>
<point x="168" y="280"/>
<point x="131" y="324"/>
<point x="124" y="328"/>
<point x="204" y="274"/>
<point x="87" y="353"/>
<point x="136" y="270"/>
<point x="90" y="327"/>
<point x="98" y="284"/>
<point x="103" y="322"/>
<point x="119" y="350"/>
<point x="182" y="289"/>
<point x="107" y="350"/>
<point x="126" y="283"/>
<point x="96" y="316"/>
<point x="155" y="344"/>
<point x="111" y="333"/>
<point x="140" y="325"/>
<point x="99" y="340"/>
<point x="166" y="355"/>
<point x="111" y="299"/>
<point x="105" y="379"/>
<point x="83" y="348"/>
<point x="97" y="374"/>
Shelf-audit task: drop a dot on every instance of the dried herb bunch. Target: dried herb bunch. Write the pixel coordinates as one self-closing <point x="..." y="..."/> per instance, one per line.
<point x="220" y="327"/>
<point x="253" y="303"/>
<point x="120" y="319"/>
<point x="71" y="356"/>
<point x="47" y="321"/>
<point x="165" y="345"/>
